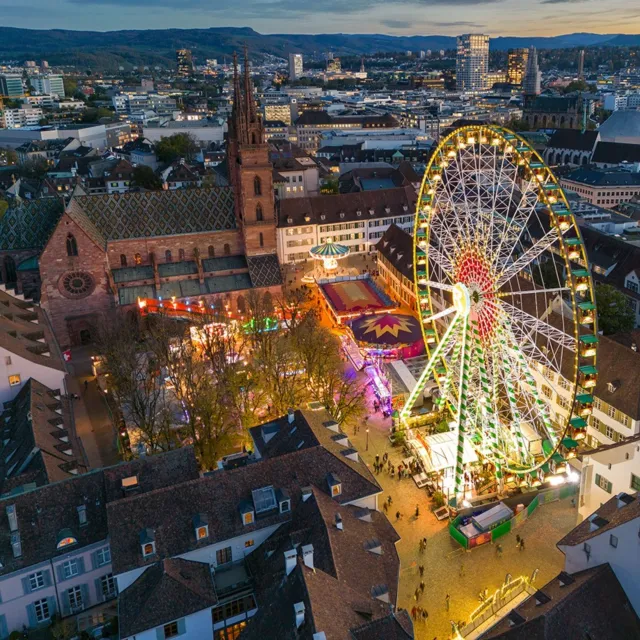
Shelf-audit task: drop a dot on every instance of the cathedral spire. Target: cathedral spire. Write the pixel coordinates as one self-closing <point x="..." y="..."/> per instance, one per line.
<point x="250" y="105"/>
<point x="239" y="123"/>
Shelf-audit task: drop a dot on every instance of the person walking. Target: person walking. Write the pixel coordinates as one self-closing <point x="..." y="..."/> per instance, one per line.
<point x="462" y="570"/>
<point x="499" y="550"/>
<point x="425" y="615"/>
<point x="416" y="594"/>
<point x="421" y="586"/>
<point x="424" y="543"/>
<point x="421" y="570"/>
<point x="417" y="511"/>
<point x="389" y="500"/>
<point x="521" y="544"/>
<point x="414" y="612"/>
<point x="385" y="507"/>
<point x="86" y="385"/>
<point x="447" y="599"/>
<point x="398" y="514"/>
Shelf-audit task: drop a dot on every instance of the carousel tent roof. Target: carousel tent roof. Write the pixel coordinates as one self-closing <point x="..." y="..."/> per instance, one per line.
<point x="329" y="250"/>
<point x="388" y="329"/>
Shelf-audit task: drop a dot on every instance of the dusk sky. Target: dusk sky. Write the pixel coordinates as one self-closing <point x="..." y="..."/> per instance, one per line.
<point x="396" y="17"/>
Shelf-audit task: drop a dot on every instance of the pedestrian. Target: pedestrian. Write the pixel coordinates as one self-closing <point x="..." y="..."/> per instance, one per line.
<point x="517" y="539"/>
<point x="385" y="457"/>
<point x="397" y="516"/>
<point x="421" y="570"/>
<point x="462" y="570"/>
<point x="424" y="542"/>
<point x="377" y="458"/>
<point x="421" y="586"/>
<point x="447" y="598"/>
<point x="385" y="507"/>
<point x="425" y="615"/>
<point x="417" y="511"/>
<point x="414" y="612"/>
<point x="499" y="550"/>
<point x="420" y="549"/>
<point x="521" y="544"/>
<point x="389" y="500"/>
<point x="86" y="385"/>
<point x="416" y="594"/>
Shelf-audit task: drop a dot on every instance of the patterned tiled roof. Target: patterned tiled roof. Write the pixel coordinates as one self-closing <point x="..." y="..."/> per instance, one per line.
<point x="159" y="213"/>
<point x="264" y="270"/>
<point x="29" y="224"/>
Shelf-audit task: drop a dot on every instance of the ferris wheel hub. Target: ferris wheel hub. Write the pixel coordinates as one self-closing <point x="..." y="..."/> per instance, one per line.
<point x="461" y="299"/>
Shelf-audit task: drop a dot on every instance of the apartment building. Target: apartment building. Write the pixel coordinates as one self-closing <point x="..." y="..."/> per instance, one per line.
<point x="24" y="117"/>
<point x="395" y="264"/>
<point x="48" y="85"/>
<point x="605" y="188"/>
<point x="357" y="220"/>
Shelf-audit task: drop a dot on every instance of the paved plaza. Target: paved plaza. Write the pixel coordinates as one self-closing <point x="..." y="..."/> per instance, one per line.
<point x="449" y="569"/>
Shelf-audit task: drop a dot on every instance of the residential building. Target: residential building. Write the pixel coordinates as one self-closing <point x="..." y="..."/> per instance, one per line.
<point x="296" y="173"/>
<point x="11" y="86"/>
<point x="48" y="150"/>
<point x="472" y="62"/>
<point x="607" y="471"/>
<point x="605" y="188"/>
<point x="516" y="65"/>
<point x="532" y="75"/>
<point x="277" y="112"/>
<point x="357" y="220"/>
<point x="25" y="117"/>
<point x="295" y="66"/>
<point x="184" y="61"/>
<point x="94" y="135"/>
<point x="395" y="265"/>
<point x="48" y="85"/>
<point x="27" y="347"/>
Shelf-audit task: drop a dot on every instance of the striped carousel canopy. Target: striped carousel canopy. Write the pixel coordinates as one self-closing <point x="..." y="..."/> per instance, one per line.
<point x="329" y="249"/>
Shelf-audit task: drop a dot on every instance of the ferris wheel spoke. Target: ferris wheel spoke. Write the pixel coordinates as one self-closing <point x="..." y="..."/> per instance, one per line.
<point x="441" y="314"/>
<point x="435" y="285"/>
<point x="442" y="261"/>
<point x="532" y="325"/>
<point x="531" y="254"/>
<point x="506" y="294"/>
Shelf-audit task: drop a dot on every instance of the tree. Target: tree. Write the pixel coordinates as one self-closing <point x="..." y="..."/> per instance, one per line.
<point x="36" y="168"/>
<point x="8" y="156"/>
<point x="4" y="205"/>
<point x="137" y="383"/>
<point x="146" y="178"/>
<point x="330" y="186"/>
<point x="179" y="145"/>
<point x="614" y="313"/>
<point x="93" y="114"/>
<point x="70" y="85"/>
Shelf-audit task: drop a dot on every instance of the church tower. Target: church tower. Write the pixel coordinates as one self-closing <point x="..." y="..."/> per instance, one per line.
<point x="250" y="170"/>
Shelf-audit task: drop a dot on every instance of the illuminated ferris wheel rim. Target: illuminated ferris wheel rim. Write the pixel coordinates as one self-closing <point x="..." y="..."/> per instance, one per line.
<point x="482" y="189"/>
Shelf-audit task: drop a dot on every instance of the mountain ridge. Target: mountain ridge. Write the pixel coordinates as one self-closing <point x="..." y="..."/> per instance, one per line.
<point x="106" y="49"/>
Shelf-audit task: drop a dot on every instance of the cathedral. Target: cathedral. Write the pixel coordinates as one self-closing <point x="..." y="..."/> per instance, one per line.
<point x="100" y="252"/>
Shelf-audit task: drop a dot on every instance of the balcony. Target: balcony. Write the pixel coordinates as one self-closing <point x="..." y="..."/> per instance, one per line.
<point x="232" y="580"/>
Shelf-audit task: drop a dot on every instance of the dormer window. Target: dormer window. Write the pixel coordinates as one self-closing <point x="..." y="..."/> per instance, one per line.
<point x="342" y="214"/>
<point x="264" y="499"/>
<point x="201" y="526"/>
<point x="65" y="539"/>
<point x="247" y="513"/>
<point x="148" y="542"/>
<point x="335" y="486"/>
<point x="82" y="515"/>
<point x="612" y="387"/>
<point x="130" y="484"/>
<point x="284" y="501"/>
<point x="323" y="217"/>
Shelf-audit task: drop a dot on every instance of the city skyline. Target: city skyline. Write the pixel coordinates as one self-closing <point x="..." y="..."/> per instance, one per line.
<point x="404" y="17"/>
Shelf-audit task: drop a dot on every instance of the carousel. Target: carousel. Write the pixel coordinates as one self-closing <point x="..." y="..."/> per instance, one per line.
<point x="388" y="335"/>
<point x="328" y="254"/>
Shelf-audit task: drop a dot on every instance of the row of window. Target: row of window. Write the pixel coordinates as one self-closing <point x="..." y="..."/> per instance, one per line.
<point x="341" y="227"/>
<point x="608" y="431"/>
<point x="303" y="242"/>
<point x="612" y="412"/>
<point x="168" y="255"/>
<point x="297" y="231"/>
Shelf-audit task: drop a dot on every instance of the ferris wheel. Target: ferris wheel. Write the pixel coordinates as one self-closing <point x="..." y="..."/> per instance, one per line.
<point x="507" y="304"/>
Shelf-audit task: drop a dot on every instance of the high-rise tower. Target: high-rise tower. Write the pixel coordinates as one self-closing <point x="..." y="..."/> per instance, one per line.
<point x="472" y="62"/>
<point x="531" y="82"/>
<point x="581" y="65"/>
<point x="516" y="65"/>
<point x="250" y="170"/>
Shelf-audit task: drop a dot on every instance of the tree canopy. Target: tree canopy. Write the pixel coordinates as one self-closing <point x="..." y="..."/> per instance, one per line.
<point x="146" y="178"/>
<point x="614" y="313"/>
<point x="179" y="145"/>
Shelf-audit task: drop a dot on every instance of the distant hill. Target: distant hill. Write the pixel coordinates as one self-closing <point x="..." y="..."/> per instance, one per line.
<point x="110" y="49"/>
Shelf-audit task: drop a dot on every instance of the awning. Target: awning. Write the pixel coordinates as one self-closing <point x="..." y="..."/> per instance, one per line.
<point x="569" y="443"/>
<point x="547" y="447"/>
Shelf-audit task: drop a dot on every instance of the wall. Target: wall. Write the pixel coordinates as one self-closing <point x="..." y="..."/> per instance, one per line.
<point x="197" y="625"/>
<point x="52" y="378"/>
<point x="68" y="314"/>
<point x="624" y="559"/>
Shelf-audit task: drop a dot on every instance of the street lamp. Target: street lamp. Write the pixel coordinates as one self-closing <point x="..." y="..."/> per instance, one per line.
<point x="367" y="447"/>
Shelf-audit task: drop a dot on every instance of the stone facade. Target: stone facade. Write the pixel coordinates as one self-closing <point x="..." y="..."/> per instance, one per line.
<point x="75" y="291"/>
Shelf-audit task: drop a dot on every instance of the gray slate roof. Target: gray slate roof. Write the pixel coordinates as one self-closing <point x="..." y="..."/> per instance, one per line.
<point x="28" y="224"/>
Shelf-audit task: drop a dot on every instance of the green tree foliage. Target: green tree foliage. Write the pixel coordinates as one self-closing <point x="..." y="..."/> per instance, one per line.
<point x="35" y="169"/>
<point x="93" y="114"/>
<point x="330" y="186"/>
<point x="614" y="313"/>
<point x="179" y="145"/>
<point x="4" y="205"/>
<point x="70" y="85"/>
<point x="146" y="178"/>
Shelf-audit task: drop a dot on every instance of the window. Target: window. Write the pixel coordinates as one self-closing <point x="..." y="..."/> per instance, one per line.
<point x="137" y="258"/>
<point x="248" y="544"/>
<point x="547" y="391"/>
<point x="171" y="630"/>
<point x="130" y="482"/>
<point x="227" y="250"/>
<point x="613" y="541"/>
<point x="104" y="556"/>
<point x="232" y="632"/>
<point x="167" y="255"/>
<point x="202" y="533"/>
<point x="72" y="245"/>
<point x="610" y="432"/>
<point x="264" y="499"/>
<point x="611" y="411"/>
<point x="261" y="240"/>
<point x="259" y="215"/>
<point x="36" y="580"/>
<point x="148" y="549"/>
<point x="108" y="585"/>
<point x="14" y="380"/>
<point x="42" y="610"/>
<point x="180" y="254"/>
<point x="75" y="598"/>
<point x="632" y="286"/>
<point x="223" y="556"/>
<point x="69" y="569"/>
<point x="257" y="186"/>
<point x="635" y="482"/>
<point x="212" y="251"/>
<point x="232" y="609"/>
<point x="603" y="483"/>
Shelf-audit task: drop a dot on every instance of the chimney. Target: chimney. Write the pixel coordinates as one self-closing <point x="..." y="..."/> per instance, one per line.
<point x="290" y="560"/>
<point x="307" y="555"/>
<point x="319" y="636"/>
<point x="291" y="416"/>
<point x="298" y="608"/>
<point x="339" y="524"/>
<point x="306" y="493"/>
<point x="634" y="346"/>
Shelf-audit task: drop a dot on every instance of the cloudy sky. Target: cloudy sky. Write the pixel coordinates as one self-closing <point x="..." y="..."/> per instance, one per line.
<point x="397" y="17"/>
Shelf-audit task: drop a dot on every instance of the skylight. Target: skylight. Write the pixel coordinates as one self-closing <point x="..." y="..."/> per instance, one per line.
<point x="264" y="499"/>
